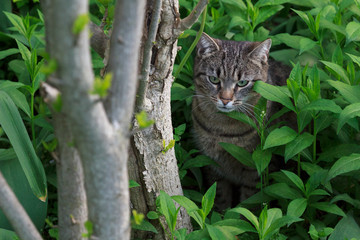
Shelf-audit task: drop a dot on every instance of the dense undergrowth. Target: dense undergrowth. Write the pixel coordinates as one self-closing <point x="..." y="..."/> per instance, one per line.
<point x="315" y="196"/>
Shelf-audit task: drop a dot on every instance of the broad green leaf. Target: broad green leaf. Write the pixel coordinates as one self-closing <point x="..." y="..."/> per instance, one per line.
<point x="7" y="154"/>
<point x="7" y="234"/>
<point x="295" y="179"/>
<point x="239" y="154"/>
<point x="198" y="161"/>
<point x="266" y="12"/>
<point x="303" y="16"/>
<point x="152" y="215"/>
<point x="239" y="21"/>
<point x="20" y="100"/>
<point x="297" y="207"/>
<point x="81" y="21"/>
<point x="273" y="93"/>
<point x="17" y="22"/>
<point x="242" y="117"/>
<point x="262" y="159"/>
<point x="25" y="52"/>
<point x="306" y="44"/>
<point x="345" y="197"/>
<point x="322" y="105"/>
<point x="272" y="215"/>
<point x="280" y="136"/>
<point x="330" y="25"/>
<point x="248" y="215"/>
<point x="190" y="207"/>
<point x="144" y="226"/>
<point x="292" y="41"/>
<point x="241" y="225"/>
<point x="350" y="93"/>
<point x="8" y="52"/>
<point x="181" y="234"/>
<point x="11" y="122"/>
<point x="352" y="31"/>
<point x="262" y="3"/>
<point x="179" y="92"/>
<point x="338" y="70"/>
<point x="297" y="145"/>
<point x="327" y="207"/>
<point x="282" y="190"/>
<point x="217" y="233"/>
<point x="350" y="111"/>
<point x="208" y="199"/>
<point x="346" y="228"/>
<point x="344" y="165"/>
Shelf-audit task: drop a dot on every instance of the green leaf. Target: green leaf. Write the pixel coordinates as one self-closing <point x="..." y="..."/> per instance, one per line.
<point x="306" y="44"/>
<point x="283" y="191"/>
<point x="266" y="12"/>
<point x="8" y="52"/>
<point x="338" y="70"/>
<point x="280" y="136"/>
<point x="179" y="92"/>
<point x="327" y="207"/>
<point x="248" y="215"/>
<point x="262" y="3"/>
<point x="143" y="120"/>
<point x="350" y="93"/>
<point x="198" y="161"/>
<point x="17" y="22"/>
<point x="144" y="226"/>
<point x="81" y="21"/>
<point x="11" y="122"/>
<point x="25" y="52"/>
<point x="168" y="209"/>
<point x="273" y="93"/>
<point x="295" y="179"/>
<point x="190" y="207"/>
<point x="322" y="105"/>
<point x="241" y="226"/>
<point x="346" y="228"/>
<point x="217" y="233"/>
<point x="297" y="207"/>
<point x="355" y="59"/>
<point x="7" y="154"/>
<point x="352" y="32"/>
<point x="208" y="199"/>
<point x="262" y="159"/>
<point x="101" y="86"/>
<point x="279" y="223"/>
<point x="344" y="165"/>
<point x="350" y="111"/>
<point x="242" y="117"/>
<point x="152" y="215"/>
<point x="297" y="145"/>
<point x="238" y="153"/>
<point x="132" y="184"/>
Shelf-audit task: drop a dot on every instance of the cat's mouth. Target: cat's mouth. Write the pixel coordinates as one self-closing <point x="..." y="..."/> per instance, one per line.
<point x="225" y="109"/>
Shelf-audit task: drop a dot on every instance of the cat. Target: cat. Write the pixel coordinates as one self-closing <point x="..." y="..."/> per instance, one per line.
<point x="224" y="75"/>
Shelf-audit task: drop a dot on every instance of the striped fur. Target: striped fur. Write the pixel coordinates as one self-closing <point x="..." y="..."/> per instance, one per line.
<point x="229" y="62"/>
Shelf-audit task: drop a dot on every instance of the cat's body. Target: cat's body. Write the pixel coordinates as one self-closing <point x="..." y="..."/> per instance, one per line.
<point x="224" y="74"/>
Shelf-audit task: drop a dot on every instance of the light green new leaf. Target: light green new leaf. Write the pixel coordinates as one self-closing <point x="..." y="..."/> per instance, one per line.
<point x="248" y="215"/>
<point x="344" y="165"/>
<point x="330" y="208"/>
<point x="11" y="122"/>
<point x="297" y="207"/>
<point x="297" y="145"/>
<point x="132" y="184"/>
<point x="239" y="154"/>
<point x="280" y="136"/>
<point x="337" y="70"/>
<point x="350" y="111"/>
<point x="322" y="105"/>
<point x="295" y="179"/>
<point x="273" y="93"/>
<point x="350" y="93"/>
<point x="81" y="21"/>
<point x="352" y="32"/>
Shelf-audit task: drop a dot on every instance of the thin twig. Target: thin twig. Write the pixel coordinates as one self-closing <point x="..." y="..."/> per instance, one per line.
<point x="15" y="213"/>
<point x="187" y="22"/>
<point x="144" y="78"/>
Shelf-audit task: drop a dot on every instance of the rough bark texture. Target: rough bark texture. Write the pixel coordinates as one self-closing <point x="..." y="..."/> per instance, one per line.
<point x="15" y="213"/>
<point x="102" y="145"/>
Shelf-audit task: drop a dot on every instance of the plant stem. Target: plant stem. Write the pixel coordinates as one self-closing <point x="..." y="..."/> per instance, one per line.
<point x="32" y="119"/>
<point x="193" y="45"/>
<point x="314" y="144"/>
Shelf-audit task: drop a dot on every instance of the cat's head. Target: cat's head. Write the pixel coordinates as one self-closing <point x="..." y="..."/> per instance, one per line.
<point x="225" y="72"/>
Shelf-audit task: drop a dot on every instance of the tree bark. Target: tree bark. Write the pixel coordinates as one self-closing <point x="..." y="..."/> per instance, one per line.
<point x="15" y="213"/>
<point x="101" y="141"/>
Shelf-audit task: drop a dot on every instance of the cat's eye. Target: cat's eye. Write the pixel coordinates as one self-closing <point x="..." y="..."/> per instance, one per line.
<point x="242" y="83"/>
<point x="214" y="80"/>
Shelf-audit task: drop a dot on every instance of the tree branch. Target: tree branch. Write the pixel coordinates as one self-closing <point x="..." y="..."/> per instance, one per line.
<point x="144" y="77"/>
<point x="123" y="62"/>
<point x="15" y="213"/>
<point x="187" y="22"/>
<point x="98" y="40"/>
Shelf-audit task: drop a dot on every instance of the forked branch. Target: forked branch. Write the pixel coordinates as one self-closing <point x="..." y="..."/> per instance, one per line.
<point x="187" y="22"/>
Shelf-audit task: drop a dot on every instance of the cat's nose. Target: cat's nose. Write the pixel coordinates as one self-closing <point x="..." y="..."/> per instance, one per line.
<point x="225" y="100"/>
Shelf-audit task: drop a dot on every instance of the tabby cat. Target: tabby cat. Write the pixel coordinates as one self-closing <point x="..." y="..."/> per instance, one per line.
<point x="224" y="75"/>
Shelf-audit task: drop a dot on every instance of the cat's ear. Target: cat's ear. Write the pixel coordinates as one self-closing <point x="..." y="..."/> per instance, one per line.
<point x="261" y="51"/>
<point x="206" y="46"/>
